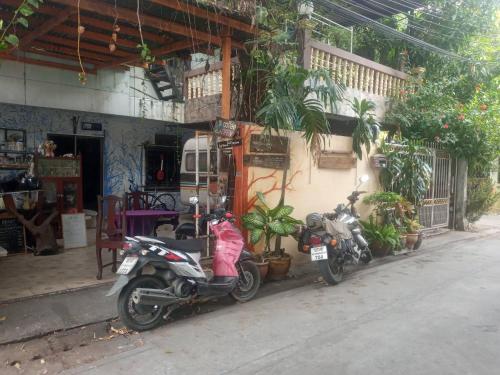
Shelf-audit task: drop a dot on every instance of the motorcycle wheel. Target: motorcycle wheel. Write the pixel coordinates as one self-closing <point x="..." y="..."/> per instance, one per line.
<point x="331" y="270"/>
<point x="245" y="291"/>
<point x="138" y="317"/>
<point x="366" y="256"/>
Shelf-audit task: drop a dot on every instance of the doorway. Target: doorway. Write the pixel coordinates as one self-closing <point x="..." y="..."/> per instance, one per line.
<point x="91" y="150"/>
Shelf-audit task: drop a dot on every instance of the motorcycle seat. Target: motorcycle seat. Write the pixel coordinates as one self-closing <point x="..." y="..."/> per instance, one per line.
<point x="195" y="245"/>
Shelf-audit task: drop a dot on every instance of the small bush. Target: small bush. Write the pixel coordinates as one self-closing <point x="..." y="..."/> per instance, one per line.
<point x="481" y="197"/>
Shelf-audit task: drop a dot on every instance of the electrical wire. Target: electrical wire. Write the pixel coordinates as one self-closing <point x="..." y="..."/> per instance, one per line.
<point x="363" y="20"/>
<point x="410" y="25"/>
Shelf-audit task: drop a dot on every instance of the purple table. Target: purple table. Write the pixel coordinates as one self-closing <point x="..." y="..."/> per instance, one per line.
<point x="145" y="220"/>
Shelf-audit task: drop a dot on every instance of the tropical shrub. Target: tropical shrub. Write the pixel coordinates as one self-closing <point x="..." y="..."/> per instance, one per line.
<point x="266" y="222"/>
<point x="366" y="127"/>
<point x="481" y="197"/>
<point x="380" y="236"/>
<point x="407" y="173"/>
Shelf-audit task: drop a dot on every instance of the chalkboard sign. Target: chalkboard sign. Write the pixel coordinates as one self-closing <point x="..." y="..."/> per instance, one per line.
<point x="12" y="235"/>
<point x="267" y="161"/>
<point x="265" y="144"/>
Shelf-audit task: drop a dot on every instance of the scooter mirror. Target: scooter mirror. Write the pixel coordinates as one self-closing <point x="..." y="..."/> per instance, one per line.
<point x="364" y="178"/>
<point x="193" y="200"/>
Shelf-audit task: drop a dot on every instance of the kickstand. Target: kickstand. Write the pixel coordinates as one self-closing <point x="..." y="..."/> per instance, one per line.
<point x="170" y="310"/>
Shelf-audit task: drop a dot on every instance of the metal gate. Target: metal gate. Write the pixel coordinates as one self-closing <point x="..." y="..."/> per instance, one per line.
<point x="435" y="211"/>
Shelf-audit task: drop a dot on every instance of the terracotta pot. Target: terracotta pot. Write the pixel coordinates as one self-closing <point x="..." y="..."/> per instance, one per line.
<point x="411" y="240"/>
<point x="279" y="267"/>
<point x="378" y="250"/>
<point x="419" y="241"/>
<point x="263" y="269"/>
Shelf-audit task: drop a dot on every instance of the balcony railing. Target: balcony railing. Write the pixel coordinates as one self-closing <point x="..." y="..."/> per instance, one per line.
<point x="355" y="71"/>
<point x="352" y="70"/>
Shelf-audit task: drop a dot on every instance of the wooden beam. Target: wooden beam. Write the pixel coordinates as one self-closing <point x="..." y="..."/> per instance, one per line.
<point x="151" y="21"/>
<point x="73" y="58"/>
<point x="124" y="29"/>
<point x="225" y="111"/>
<point x="131" y="59"/>
<point x="49" y="64"/>
<point x="83" y="46"/>
<point x="69" y="51"/>
<point x="91" y="35"/>
<point x="206" y="14"/>
<point x="46" y="27"/>
<point x="101" y="24"/>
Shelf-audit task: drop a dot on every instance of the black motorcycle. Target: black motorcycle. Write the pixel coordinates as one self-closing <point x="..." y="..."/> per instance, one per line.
<point x="335" y="239"/>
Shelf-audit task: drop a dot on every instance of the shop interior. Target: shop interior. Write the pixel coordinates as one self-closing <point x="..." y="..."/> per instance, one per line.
<point x="50" y="220"/>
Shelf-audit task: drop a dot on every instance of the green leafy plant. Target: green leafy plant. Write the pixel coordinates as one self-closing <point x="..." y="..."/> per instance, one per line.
<point x="390" y="207"/>
<point x="407" y="173"/>
<point x="412" y="226"/>
<point x="296" y="99"/>
<point x="363" y="132"/>
<point x="380" y="236"/>
<point x="481" y="197"/>
<point x="267" y="223"/>
<point x="9" y="39"/>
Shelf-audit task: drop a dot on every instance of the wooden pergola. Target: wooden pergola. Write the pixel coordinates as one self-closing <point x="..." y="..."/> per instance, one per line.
<point x="169" y="27"/>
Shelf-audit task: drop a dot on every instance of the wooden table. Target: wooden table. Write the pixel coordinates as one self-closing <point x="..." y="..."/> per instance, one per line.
<point x="145" y="219"/>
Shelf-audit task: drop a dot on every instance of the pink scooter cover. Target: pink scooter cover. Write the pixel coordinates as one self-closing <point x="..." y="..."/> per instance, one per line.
<point x="229" y="245"/>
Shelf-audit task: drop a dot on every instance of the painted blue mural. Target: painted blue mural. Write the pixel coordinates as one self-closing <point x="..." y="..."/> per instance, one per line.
<point x="124" y="138"/>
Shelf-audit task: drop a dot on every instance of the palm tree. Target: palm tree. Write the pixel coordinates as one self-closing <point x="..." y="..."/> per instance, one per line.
<point x="297" y="99"/>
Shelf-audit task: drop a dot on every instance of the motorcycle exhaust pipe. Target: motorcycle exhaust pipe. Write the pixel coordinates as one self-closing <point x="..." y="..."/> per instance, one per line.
<point x="152" y="297"/>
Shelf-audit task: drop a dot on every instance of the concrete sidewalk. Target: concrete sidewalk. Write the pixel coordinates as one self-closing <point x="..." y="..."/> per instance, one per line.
<point x="40" y="316"/>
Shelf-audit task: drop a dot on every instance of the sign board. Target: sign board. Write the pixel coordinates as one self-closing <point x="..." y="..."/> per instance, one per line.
<point x="265" y="144"/>
<point x="332" y="160"/>
<point x="267" y="161"/>
<point x="74" y="231"/>
<point x="225" y="128"/>
<point x="230" y="143"/>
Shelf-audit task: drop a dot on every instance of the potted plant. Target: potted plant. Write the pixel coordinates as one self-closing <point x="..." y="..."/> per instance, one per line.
<point x="262" y="263"/>
<point x="267" y="223"/>
<point x="413" y="229"/>
<point x="383" y="238"/>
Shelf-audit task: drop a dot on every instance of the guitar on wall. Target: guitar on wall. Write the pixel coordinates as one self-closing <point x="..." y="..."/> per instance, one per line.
<point x="160" y="173"/>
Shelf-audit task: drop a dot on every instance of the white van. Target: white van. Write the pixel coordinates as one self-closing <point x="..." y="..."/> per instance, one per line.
<point x="219" y="165"/>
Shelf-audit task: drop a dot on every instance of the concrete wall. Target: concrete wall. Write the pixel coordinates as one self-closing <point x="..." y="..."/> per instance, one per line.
<point x="311" y="189"/>
<point x="112" y="92"/>
<point x="123" y="138"/>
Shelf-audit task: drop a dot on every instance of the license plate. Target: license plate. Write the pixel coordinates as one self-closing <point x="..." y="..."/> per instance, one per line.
<point x="127" y="265"/>
<point x="319" y="253"/>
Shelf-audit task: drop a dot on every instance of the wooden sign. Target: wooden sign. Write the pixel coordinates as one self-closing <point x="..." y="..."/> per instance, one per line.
<point x="265" y="144"/>
<point x="267" y="161"/>
<point x="225" y="128"/>
<point x="230" y="143"/>
<point x="74" y="232"/>
<point x="333" y="160"/>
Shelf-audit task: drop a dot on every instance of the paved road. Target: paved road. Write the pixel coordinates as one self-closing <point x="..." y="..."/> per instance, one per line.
<point x="436" y="312"/>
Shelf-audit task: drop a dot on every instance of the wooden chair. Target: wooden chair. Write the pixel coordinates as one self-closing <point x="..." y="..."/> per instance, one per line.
<point x="109" y="229"/>
<point x="138" y="200"/>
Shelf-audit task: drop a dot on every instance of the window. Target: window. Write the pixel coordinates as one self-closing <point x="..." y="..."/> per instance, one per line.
<point x="171" y="167"/>
<point x="191" y="161"/>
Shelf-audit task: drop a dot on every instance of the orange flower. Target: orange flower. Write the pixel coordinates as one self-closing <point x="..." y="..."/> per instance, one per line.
<point x="483" y="107"/>
<point x="446" y="126"/>
<point x="461" y="117"/>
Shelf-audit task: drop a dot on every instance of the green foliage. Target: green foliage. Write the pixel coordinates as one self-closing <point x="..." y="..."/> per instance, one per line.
<point x="384" y="236"/>
<point x="268" y="222"/>
<point x="412" y="225"/>
<point x="296" y="99"/>
<point x="145" y="53"/>
<point x="481" y="197"/>
<point x="390" y="207"/>
<point x="363" y="132"/>
<point x="407" y="173"/>
<point x="25" y="9"/>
